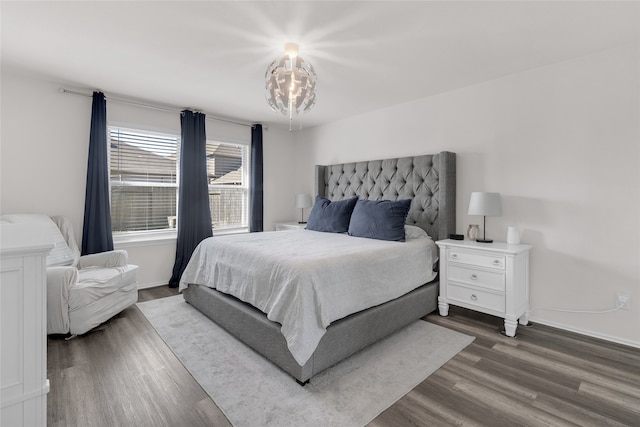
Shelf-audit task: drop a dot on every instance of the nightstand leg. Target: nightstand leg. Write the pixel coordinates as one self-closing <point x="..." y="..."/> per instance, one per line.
<point x="510" y="327"/>
<point x="443" y="307"/>
<point x="524" y="319"/>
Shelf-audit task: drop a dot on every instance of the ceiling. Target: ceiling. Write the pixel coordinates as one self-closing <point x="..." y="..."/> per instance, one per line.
<point x="212" y="56"/>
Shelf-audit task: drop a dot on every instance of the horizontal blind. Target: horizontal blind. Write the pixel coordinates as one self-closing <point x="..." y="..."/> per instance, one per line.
<point x="144" y="181"/>
<point x="228" y="184"/>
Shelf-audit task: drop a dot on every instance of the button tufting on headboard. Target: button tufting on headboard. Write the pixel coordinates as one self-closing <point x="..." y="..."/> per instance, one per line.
<point x="429" y="180"/>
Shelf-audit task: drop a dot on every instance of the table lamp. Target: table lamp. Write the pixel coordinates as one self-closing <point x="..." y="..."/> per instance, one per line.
<point x="485" y="204"/>
<point x="303" y="201"/>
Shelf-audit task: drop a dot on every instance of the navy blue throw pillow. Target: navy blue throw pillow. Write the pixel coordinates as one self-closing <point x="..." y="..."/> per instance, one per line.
<point x="380" y="219"/>
<point x="332" y="217"/>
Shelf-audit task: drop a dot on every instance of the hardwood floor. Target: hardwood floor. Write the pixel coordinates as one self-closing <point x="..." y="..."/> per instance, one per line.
<point x="122" y="374"/>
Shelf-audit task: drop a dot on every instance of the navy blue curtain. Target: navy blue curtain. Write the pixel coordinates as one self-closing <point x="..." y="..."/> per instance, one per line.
<point x="96" y="229"/>
<point x="256" y="206"/>
<point x="194" y="214"/>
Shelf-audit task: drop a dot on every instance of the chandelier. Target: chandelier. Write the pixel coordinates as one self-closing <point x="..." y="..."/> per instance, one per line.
<point x="290" y="84"/>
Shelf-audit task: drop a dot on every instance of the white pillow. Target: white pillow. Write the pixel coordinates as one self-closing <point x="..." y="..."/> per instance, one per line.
<point x="415" y="232"/>
<point x="61" y="254"/>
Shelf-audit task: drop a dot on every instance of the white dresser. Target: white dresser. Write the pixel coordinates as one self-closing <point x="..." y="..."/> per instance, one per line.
<point x="492" y="278"/>
<point x="23" y="326"/>
<point x="289" y="225"/>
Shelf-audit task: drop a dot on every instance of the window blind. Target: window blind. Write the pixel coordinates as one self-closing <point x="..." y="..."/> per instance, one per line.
<point x="144" y="180"/>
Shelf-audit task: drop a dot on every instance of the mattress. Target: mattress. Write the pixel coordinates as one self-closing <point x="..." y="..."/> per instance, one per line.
<point x="305" y="280"/>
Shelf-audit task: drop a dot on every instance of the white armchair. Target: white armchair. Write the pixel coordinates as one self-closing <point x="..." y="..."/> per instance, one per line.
<point x="82" y="291"/>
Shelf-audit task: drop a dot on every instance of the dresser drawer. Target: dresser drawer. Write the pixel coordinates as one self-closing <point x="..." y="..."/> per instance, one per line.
<point x="487" y="279"/>
<point x="476" y="297"/>
<point x="479" y="260"/>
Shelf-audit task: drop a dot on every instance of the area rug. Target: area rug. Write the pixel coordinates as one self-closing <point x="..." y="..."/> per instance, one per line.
<point x="252" y="391"/>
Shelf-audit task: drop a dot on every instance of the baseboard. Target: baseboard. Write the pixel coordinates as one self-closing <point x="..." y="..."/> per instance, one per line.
<point x="616" y="340"/>
<point x="152" y="284"/>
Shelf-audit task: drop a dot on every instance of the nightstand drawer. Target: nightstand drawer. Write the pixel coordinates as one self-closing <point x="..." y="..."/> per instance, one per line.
<point x="477" y="259"/>
<point x="475" y="297"/>
<point x="486" y="279"/>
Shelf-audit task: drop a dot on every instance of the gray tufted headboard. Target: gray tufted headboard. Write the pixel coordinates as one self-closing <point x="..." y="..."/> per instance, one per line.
<point x="430" y="180"/>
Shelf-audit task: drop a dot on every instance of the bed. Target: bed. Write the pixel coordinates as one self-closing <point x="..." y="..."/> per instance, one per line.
<point x="335" y="332"/>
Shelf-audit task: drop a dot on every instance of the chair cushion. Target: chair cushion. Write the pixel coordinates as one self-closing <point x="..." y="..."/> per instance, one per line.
<point x="83" y="319"/>
<point x="96" y="283"/>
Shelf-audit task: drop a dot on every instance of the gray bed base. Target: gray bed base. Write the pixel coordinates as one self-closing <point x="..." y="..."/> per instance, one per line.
<point x="342" y="339"/>
<point x="430" y="180"/>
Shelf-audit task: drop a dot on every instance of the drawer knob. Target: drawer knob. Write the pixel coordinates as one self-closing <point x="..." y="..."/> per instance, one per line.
<point x="474" y="297"/>
<point x="474" y="277"/>
<point x="496" y="262"/>
<point x="454" y="256"/>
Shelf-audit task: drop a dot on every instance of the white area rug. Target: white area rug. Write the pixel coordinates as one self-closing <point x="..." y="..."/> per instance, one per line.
<point x="252" y="391"/>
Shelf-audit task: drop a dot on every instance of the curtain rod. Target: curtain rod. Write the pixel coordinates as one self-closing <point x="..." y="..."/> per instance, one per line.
<point x="173" y="109"/>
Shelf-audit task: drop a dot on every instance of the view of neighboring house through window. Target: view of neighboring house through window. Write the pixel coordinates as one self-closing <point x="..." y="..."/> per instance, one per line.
<point x="145" y="177"/>
<point x="228" y="185"/>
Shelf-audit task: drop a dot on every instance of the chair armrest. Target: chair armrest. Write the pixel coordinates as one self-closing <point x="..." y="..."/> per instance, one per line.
<point x="117" y="258"/>
<point x="59" y="281"/>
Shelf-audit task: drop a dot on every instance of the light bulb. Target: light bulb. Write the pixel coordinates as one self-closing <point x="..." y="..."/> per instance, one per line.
<point x="291" y="50"/>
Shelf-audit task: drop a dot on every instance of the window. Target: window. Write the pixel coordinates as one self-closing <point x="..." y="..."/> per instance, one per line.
<point x="228" y="185"/>
<point x="144" y="182"/>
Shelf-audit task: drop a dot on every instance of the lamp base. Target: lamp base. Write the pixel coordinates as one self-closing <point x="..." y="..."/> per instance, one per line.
<point x="484" y="240"/>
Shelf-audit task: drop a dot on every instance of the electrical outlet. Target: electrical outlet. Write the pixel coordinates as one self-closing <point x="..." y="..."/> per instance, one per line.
<point x="622" y="301"/>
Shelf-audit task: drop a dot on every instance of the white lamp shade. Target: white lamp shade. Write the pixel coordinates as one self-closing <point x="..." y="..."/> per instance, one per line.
<point x="303" y="201"/>
<point x="487" y="204"/>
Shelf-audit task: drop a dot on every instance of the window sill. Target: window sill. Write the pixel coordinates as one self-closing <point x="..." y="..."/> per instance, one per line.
<point x="144" y="239"/>
<point x="162" y="237"/>
<point x="222" y="232"/>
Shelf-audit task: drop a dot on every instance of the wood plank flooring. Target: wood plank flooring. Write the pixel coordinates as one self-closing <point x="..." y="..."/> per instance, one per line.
<point x="123" y="374"/>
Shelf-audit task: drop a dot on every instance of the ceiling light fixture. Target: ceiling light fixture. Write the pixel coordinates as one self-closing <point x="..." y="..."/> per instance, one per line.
<point x="290" y="84"/>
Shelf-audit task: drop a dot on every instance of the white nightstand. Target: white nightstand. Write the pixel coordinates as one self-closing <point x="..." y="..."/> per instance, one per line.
<point x="492" y="278"/>
<point x="289" y="225"/>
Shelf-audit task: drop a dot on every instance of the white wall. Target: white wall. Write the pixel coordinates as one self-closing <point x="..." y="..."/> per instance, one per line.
<point x="43" y="159"/>
<point x="562" y="145"/>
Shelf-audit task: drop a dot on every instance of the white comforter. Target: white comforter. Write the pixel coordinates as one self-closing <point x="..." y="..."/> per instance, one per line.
<point x="305" y="280"/>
